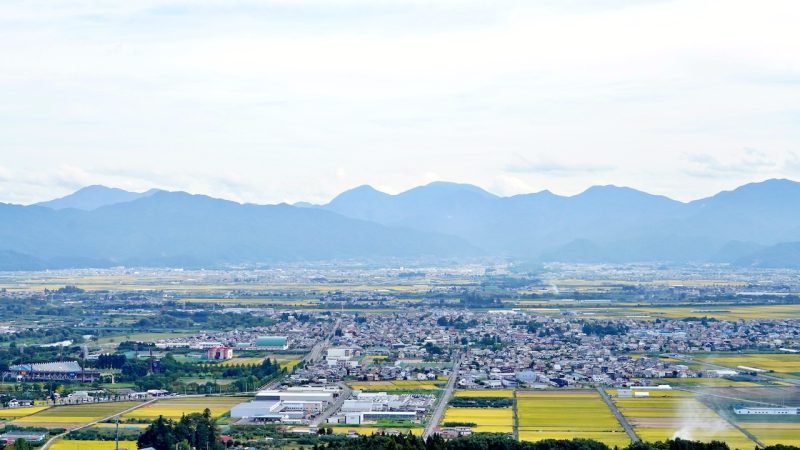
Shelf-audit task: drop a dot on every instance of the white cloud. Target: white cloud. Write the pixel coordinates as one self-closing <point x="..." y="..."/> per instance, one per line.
<point x="287" y="100"/>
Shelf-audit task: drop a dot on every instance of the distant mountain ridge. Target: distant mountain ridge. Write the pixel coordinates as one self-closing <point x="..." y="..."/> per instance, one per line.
<point x="601" y="224"/>
<point x="754" y="225"/>
<point x="95" y="196"/>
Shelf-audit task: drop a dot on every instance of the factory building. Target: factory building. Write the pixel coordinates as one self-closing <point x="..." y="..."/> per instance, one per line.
<point x="767" y="411"/>
<point x="52" y="371"/>
<point x="284" y="406"/>
<point x="272" y="342"/>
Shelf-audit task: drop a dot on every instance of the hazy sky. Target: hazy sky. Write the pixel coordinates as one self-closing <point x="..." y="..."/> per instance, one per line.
<point x="286" y="100"/>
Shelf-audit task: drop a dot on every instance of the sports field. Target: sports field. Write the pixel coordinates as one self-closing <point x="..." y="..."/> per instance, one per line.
<point x="64" y="444"/>
<point x="566" y="415"/>
<point x="175" y="408"/>
<point x="74" y="415"/>
<point x="670" y="414"/>
<point x="487" y="420"/>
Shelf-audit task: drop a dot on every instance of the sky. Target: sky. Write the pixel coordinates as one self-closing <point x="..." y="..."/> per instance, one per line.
<point x="289" y="100"/>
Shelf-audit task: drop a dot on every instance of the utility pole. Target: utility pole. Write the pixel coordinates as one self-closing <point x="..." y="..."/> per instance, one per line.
<point x="116" y="437"/>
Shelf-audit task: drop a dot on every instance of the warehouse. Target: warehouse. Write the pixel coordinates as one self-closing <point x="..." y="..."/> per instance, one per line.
<point x="272" y="342"/>
<point x="52" y="371"/>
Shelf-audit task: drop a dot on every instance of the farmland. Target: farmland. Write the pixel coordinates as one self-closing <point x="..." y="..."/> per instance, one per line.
<point x="14" y="413"/>
<point x="503" y="393"/>
<point x="671" y="414"/>
<point x="65" y="444"/>
<point x="487" y="420"/>
<point x="74" y="415"/>
<point x="768" y="429"/>
<point x="175" y="408"/>
<point x="567" y="414"/>
<point x="780" y="363"/>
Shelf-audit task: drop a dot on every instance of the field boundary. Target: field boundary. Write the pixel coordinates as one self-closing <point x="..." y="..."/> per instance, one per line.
<point x="50" y="441"/>
<point x="618" y="414"/>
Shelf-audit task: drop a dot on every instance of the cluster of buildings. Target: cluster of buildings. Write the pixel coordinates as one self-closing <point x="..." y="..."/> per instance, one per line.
<point x="296" y="405"/>
<point x="510" y="348"/>
<point x="374" y="407"/>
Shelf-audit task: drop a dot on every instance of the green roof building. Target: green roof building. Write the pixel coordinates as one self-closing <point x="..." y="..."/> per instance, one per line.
<point x="272" y="341"/>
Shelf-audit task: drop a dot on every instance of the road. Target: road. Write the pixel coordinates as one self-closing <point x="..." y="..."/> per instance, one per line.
<point x="344" y="395"/>
<point x="59" y="436"/>
<point x="622" y="420"/>
<point x="311" y="357"/>
<point x="436" y="417"/>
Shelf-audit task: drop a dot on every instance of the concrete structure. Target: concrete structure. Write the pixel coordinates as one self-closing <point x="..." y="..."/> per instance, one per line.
<point x="287" y="406"/>
<point x="767" y="411"/>
<point x="272" y="342"/>
<point x="220" y="352"/>
<point x="52" y="371"/>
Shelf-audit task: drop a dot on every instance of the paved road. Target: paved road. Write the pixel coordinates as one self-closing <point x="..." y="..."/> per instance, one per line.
<point x="436" y="417"/>
<point x="311" y="357"/>
<point x="622" y="420"/>
<point x="343" y="395"/>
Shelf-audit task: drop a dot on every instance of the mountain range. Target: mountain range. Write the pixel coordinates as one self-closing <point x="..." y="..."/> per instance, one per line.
<point x="754" y="225"/>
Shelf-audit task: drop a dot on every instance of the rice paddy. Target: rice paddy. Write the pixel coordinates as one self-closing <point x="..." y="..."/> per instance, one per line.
<point x="243" y="361"/>
<point x="503" y="393"/>
<point x="670" y="414"/>
<point x="780" y="363"/>
<point x="175" y="408"/>
<point x="774" y="433"/>
<point x="487" y="420"/>
<point x="567" y="415"/>
<point x="64" y="444"/>
<point x="14" y="413"/>
<point x="73" y="416"/>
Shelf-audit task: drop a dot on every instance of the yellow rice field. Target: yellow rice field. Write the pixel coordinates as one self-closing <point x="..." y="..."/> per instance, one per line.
<point x="781" y="363"/>
<point x="786" y="433"/>
<point x="13" y="413"/>
<point x="175" y="408"/>
<point x="243" y="361"/>
<point x="487" y="420"/>
<point x="567" y="415"/>
<point x="503" y="393"/>
<point x="63" y="444"/>
<point x="671" y="414"/>
<point x="74" y="415"/>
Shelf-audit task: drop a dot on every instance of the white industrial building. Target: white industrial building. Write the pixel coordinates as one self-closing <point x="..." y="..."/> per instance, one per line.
<point x="284" y="406"/>
<point x="368" y="407"/>
<point x="341" y="357"/>
<point x="767" y="411"/>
